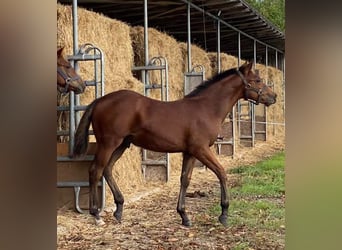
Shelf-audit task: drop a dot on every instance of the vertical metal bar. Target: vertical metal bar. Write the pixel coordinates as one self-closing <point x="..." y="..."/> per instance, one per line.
<point x="252" y="105"/>
<point x="239" y="102"/>
<point x="97" y="92"/>
<point x="146" y="80"/>
<point x="265" y="110"/>
<point x="167" y="79"/>
<point x="239" y="49"/>
<point x="102" y="74"/>
<point x="276" y="61"/>
<point x="284" y="83"/>
<point x="218" y="43"/>
<point x="189" y="36"/>
<point x="72" y="125"/>
<point x="255" y="54"/>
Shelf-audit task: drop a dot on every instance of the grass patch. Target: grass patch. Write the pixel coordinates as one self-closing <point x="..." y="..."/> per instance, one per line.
<point x="258" y="201"/>
<point x="264" y="179"/>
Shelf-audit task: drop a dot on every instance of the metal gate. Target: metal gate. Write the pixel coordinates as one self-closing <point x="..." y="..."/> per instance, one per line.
<point x="87" y="52"/>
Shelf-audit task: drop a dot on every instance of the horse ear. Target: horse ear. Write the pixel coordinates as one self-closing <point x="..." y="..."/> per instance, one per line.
<point x="59" y="51"/>
<point x="250" y="65"/>
<point x="245" y="68"/>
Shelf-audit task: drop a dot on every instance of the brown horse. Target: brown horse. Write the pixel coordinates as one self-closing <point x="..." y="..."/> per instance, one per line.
<point x="189" y="125"/>
<point x="67" y="78"/>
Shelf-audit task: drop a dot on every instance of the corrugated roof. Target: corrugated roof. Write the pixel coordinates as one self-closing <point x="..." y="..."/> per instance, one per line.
<point x="171" y="17"/>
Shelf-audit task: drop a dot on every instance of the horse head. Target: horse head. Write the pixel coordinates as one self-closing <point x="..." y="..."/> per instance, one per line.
<point x="256" y="90"/>
<point x="67" y="78"/>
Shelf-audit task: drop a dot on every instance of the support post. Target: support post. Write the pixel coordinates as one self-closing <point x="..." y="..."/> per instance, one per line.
<point x="218" y="42"/>
<point x="189" y="36"/>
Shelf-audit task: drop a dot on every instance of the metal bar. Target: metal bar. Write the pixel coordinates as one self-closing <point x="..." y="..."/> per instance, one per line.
<point x="252" y="105"/>
<point x="146" y="76"/>
<point x="67" y="158"/>
<point x="68" y="184"/>
<point x="218" y="43"/>
<point x="153" y="162"/>
<point x="239" y="102"/>
<point x="233" y="130"/>
<point x="146" y="32"/>
<point x="189" y="36"/>
<point x="239" y="49"/>
<point x="66" y="108"/>
<point x="265" y="110"/>
<point x="224" y="142"/>
<point x="66" y="132"/>
<point x="84" y="57"/>
<point x="148" y="67"/>
<point x="77" y="200"/>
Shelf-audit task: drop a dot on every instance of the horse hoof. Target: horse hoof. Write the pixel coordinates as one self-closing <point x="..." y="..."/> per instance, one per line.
<point x="186" y="223"/>
<point x="118" y="216"/>
<point x="99" y="222"/>
<point x="223" y="220"/>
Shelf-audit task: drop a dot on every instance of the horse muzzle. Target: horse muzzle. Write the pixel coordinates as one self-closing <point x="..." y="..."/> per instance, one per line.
<point x="78" y="86"/>
<point x="270" y="100"/>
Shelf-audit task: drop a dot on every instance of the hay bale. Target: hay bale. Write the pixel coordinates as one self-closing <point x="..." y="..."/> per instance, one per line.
<point x="160" y="44"/>
<point x="276" y="112"/>
<point x="227" y="61"/>
<point x="198" y="57"/>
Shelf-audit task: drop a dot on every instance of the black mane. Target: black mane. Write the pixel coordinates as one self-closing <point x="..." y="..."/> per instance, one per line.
<point x="204" y="85"/>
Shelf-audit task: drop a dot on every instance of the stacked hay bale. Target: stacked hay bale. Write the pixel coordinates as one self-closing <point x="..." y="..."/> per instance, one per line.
<point x="276" y="112"/>
<point x="113" y="38"/>
<point x="160" y="44"/>
<point x="227" y="61"/>
<point x="198" y="57"/>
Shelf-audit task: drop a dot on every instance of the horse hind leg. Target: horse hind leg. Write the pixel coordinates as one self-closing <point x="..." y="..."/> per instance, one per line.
<point x="118" y="197"/>
<point x="102" y="159"/>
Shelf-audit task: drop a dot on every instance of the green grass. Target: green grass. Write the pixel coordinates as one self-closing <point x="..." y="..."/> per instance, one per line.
<point x="258" y="201"/>
<point x="265" y="179"/>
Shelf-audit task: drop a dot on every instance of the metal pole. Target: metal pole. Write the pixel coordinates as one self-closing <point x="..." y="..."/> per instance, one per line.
<point x="252" y="105"/>
<point x="145" y="79"/>
<point x="239" y="48"/>
<point x="145" y="72"/>
<point x="218" y="43"/>
<point x="265" y="110"/>
<point x="255" y="54"/>
<point x="72" y="123"/>
<point x="189" y="37"/>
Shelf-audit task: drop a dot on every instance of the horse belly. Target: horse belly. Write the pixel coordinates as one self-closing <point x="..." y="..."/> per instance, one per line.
<point x="162" y="142"/>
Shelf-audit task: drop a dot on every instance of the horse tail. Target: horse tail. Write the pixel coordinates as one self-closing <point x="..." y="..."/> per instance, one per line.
<point x="82" y="132"/>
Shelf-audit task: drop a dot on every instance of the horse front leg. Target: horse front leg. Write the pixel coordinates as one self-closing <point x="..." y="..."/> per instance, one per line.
<point x="187" y="167"/>
<point x="207" y="157"/>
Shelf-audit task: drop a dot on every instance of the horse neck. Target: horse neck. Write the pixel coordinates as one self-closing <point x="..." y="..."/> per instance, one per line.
<point x="223" y="95"/>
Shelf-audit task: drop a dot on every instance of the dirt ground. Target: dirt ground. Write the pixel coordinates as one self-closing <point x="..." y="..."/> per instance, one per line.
<point x="150" y="220"/>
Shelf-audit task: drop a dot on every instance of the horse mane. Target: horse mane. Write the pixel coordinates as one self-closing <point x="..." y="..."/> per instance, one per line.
<point x="205" y="84"/>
